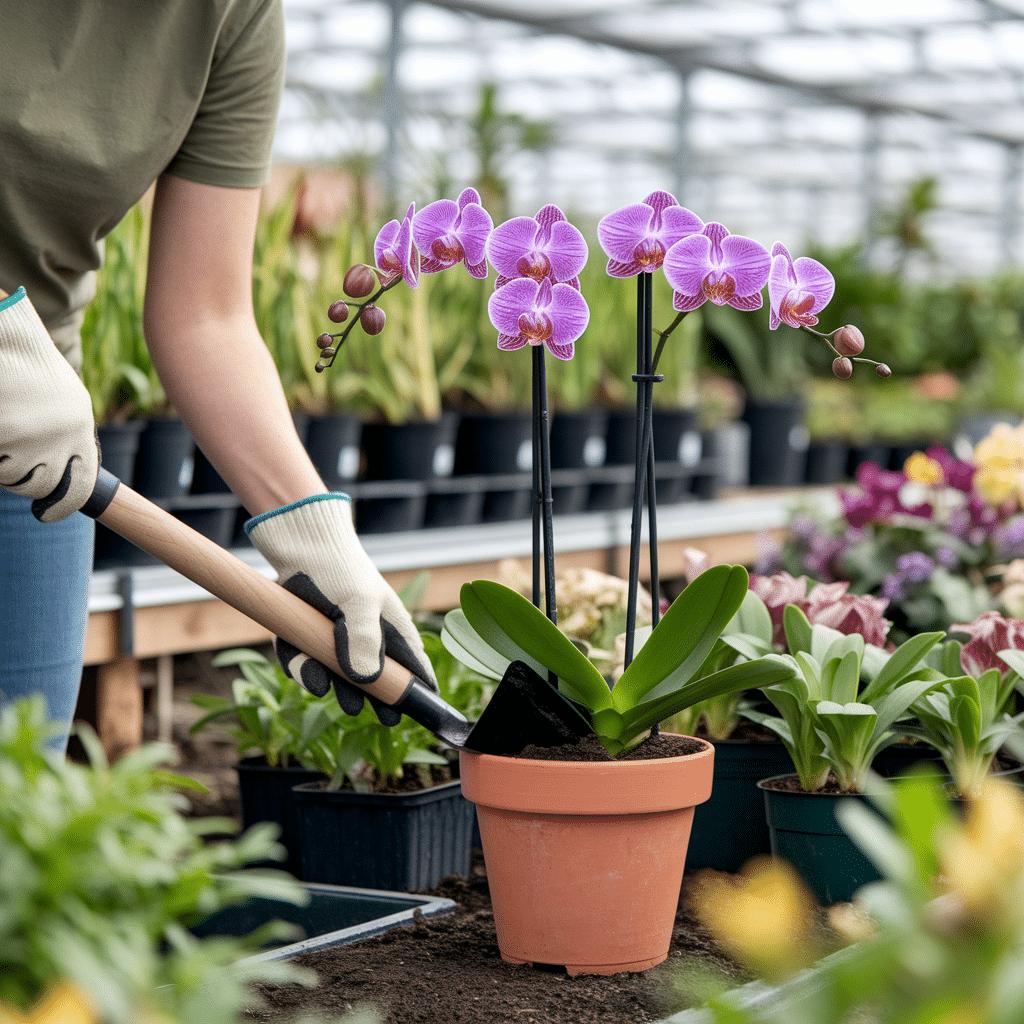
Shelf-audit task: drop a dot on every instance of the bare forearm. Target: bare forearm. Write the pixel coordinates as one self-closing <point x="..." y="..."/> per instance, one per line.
<point x="222" y="381"/>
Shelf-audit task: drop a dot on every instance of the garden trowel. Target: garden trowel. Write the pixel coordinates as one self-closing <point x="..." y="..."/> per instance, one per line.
<point x="524" y="709"/>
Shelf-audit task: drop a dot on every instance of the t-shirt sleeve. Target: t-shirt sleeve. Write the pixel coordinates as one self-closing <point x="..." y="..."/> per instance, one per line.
<point x="232" y="135"/>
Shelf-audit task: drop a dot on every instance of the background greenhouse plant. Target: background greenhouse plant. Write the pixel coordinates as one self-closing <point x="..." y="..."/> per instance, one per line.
<point x="669" y="673"/>
<point x="102" y="875"/>
<point x="937" y="939"/>
<point x="828" y="722"/>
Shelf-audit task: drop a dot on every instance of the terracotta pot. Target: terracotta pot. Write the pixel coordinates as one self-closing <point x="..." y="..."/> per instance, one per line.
<point x="585" y="858"/>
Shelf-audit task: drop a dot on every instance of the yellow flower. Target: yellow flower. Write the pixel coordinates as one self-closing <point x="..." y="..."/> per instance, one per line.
<point x="64" y="1003"/>
<point x="764" y="916"/>
<point x="1003" y="446"/>
<point x="997" y="484"/>
<point x="983" y="861"/>
<point x="922" y="470"/>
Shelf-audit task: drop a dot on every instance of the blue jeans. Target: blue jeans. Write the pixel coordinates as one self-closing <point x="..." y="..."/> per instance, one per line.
<point x="44" y="585"/>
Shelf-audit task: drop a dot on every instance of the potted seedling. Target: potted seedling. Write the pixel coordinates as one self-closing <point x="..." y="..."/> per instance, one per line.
<point x="833" y="729"/>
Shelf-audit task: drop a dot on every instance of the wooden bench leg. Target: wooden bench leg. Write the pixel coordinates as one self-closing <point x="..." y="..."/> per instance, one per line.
<point x="119" y="706"/>
<point x="165" y="698"/>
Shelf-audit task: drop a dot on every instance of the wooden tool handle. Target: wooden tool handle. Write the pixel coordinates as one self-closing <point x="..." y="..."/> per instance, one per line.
<point x="204" y="562"/>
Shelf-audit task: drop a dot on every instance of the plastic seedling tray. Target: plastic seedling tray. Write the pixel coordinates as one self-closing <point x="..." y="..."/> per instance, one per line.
<point x="335" y="916"/>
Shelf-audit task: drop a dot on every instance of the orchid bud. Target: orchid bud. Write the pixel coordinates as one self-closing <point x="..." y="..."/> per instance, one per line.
<point x="882" y="370"/>
<point x="359" y="281"/>
<point x="372" y="319"/>
<point x="848" y="341"/>
<point x="324" y="341"/>
<point x="842" y="367"/>
<point x="337" y="312"/>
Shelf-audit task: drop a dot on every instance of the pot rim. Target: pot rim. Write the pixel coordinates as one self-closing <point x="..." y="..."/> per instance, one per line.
<point x="532" y="786"/>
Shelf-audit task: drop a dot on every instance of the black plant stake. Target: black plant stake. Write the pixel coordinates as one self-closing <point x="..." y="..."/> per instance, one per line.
<point x="644" y="460"/>
<point x="542" y="489"/>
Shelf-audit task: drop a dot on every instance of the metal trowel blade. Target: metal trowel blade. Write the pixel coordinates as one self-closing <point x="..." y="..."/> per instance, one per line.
<point x="525" y="708"/>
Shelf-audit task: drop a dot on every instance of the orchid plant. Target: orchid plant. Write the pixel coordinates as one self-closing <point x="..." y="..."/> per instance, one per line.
<point x="537" y="302"/>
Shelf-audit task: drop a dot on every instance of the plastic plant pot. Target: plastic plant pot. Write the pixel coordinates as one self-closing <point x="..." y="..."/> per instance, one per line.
<point x="805" y="832"/>
<point x="394" y="841"/>
<point x="585" y="858"/>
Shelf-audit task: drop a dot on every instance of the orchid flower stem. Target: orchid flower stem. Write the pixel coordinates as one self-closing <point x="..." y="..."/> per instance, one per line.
<point x="537" y="492"/>
<point x="544" y="499"/>
<point x="663" y="336"/>
<point x="342" y="335"/>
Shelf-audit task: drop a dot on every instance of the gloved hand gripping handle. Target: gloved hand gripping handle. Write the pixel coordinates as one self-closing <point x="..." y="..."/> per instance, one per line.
<point x="216" y="570"/>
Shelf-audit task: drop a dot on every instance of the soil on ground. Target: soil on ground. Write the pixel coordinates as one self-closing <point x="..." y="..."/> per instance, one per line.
<point x="449" y="971"/>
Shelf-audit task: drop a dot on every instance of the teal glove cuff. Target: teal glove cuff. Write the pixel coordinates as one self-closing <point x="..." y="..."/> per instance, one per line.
<point x="12" y="299"/>
<point x="251" y="524"/>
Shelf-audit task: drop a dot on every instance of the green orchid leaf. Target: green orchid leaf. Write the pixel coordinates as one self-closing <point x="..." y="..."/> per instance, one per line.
<point x="810" y="671"/>
<point x="745" y="676"/>
<point x="779" y="726"/>
<point x="873" y="661"/>
<point x="843" y="644"/>
<point x="487" y="629"/>
<point x="843" y="676"/>
<point x="896" y="702"/>
<point x="518" y="630"/>
<point x="747" y="645"/>
<point x="753" y="619"/>
<point x="685" y="635"/>
<point x="609" y="726"/>
<point x="467" y="646"/>
<point x="1012" y="659"/>
<point x="822" y="640"/>
<point x="901" y="662"/>
<point x="989" y="691"/>
<point x="797" y="629"/>
<point x="965" y="716"/>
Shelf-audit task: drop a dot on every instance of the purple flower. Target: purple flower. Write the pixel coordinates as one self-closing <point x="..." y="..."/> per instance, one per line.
<point x="637" y="237"/>
<point x="946" y="557"/>
<point x="727" y="269"/>
<point x="537" y="247"/>
<point x="797" y="290"/>
<point x="396" y="252"/>
<point x="892" y="588"/>
<point x="526" y="312"/>
<point x="958" y="474"/>
<point x="448" y="233"/>
<point x="989" y="633"/>
<point x="915" y="567"/>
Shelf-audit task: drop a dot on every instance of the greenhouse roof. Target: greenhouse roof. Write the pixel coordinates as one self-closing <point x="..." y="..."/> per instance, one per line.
<point x="793" y="119"/>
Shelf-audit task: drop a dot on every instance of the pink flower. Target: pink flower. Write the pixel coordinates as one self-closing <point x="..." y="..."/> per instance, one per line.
<point x="727" y="269"/>
<point x="797" y="290"/>
<point x="637" y="237"/>
<point x="448" y="233"/>
<point x="528" y="313"/>
<point x="828" y="604"/>
<point x="989" y="633"/>
<point x="396" y="252"/>
<point x="537" y="247"/>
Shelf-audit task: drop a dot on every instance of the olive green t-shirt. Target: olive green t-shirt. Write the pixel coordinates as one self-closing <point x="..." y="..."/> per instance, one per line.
<point x="97" y="99"/>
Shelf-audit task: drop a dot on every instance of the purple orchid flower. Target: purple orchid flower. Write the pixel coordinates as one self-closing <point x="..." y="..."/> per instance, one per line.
<point x="545" y="246"/>
<point x="797" y="290"/>
<point x="396" y="252"/>
<point x="527" y="312"/>
<point x="637" y="237"/>
<point x="727" y="269"/>
<point x="449" y="232"/>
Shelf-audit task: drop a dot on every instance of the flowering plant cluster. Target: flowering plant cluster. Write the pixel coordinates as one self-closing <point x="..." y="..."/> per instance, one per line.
<point x="929" y="539"/>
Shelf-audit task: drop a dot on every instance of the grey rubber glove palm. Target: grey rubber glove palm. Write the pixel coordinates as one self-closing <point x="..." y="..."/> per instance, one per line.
<point x="314" y="548"/>
<point x="48" y="447"/>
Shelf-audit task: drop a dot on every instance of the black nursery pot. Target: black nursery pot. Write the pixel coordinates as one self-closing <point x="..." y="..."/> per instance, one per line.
<point x="119" y="444"/>
<point x="418" y="450"/>
<point x="265" y="794"/>
<point x="778" y="442"/>
<point x="332" y="443"/>
<point x="395" y="841"/>
<point x="620" y="445"/>
<point x="578" y="441"/>
<point x="494" y="443"/>
<point x="678" y="448"/>
<point x="826" y="461"/>
<point x="165" y="461"/>
<point x="870" y="451"/>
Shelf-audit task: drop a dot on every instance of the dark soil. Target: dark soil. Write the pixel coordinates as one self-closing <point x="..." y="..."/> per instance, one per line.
<point x="590" y="748"/>
<point x="449" y="971"/>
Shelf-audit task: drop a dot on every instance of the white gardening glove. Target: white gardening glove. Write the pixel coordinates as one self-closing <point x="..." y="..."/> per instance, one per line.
<point x="48" y="446"/>
<point x="314" y="548"/>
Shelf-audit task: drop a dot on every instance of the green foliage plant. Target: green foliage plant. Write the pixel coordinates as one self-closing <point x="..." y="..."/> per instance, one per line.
<point x="116" y="367"/>
<point x="828" y="721"/>
<point x="101" y="875"/>
<point x="495" y="626"/>
<point x="967" y="718"/>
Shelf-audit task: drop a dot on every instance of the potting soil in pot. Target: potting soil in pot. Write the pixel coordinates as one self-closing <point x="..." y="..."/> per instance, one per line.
<point x="449" y="971"/>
